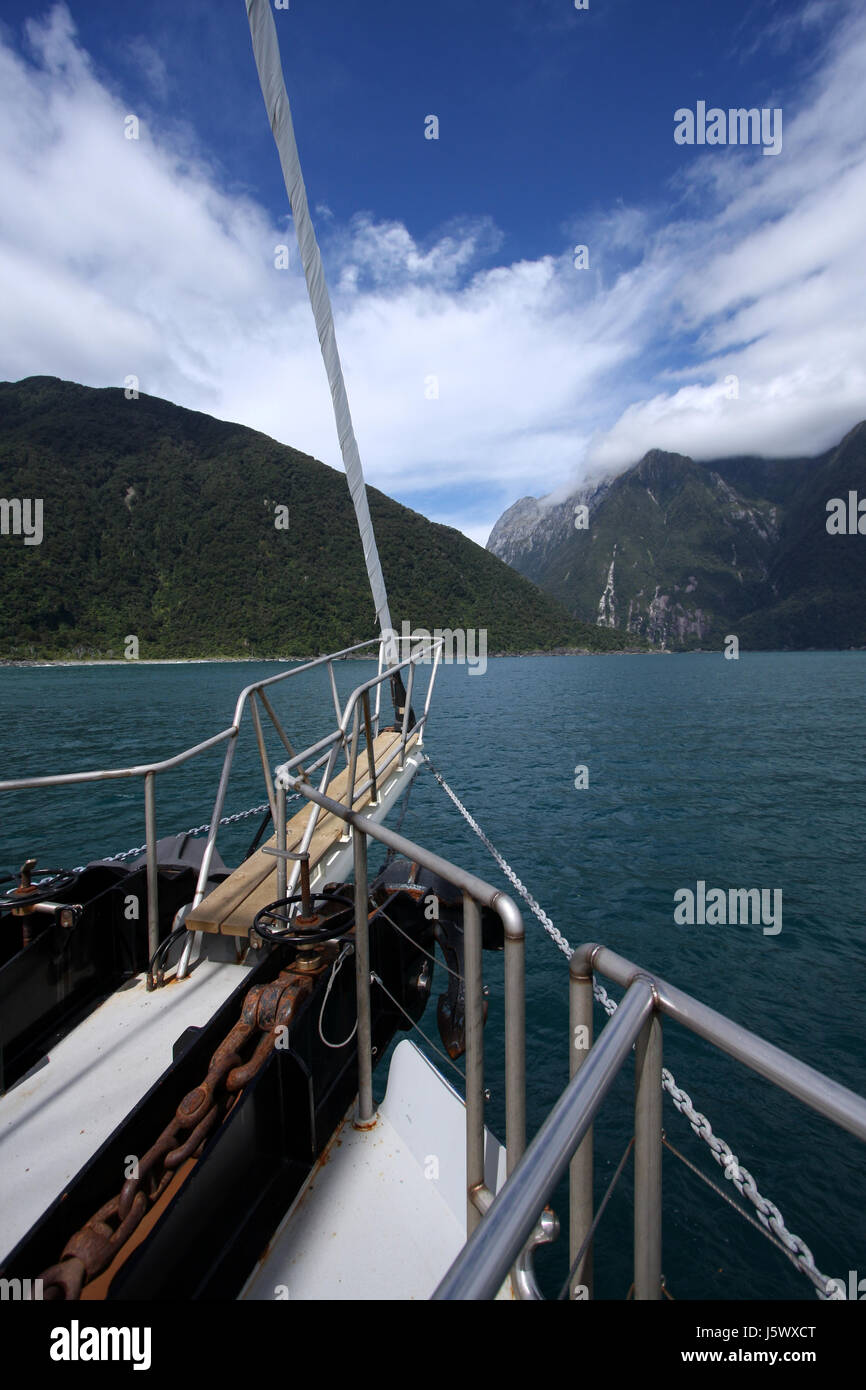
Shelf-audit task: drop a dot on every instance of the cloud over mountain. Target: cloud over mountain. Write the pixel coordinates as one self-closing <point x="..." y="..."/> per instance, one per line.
<point x="122" y="256"/>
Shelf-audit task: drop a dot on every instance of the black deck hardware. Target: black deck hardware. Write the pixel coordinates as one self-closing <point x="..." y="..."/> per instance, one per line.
<point x="53" y="974"/>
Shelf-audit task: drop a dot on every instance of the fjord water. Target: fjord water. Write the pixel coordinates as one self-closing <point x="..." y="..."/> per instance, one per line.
<point x="740" y="774"/>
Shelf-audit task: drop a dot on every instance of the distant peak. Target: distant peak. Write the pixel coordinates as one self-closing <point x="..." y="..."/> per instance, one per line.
<point x="40" y="381"/>
<point x="655" y="458"/>
<point x="857" y="433"/>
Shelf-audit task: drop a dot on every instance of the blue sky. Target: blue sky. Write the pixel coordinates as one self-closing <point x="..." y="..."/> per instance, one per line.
<point x="722" y="309"/>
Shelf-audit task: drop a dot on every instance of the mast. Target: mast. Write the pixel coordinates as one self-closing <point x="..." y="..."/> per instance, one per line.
<point x="267" y="56"/>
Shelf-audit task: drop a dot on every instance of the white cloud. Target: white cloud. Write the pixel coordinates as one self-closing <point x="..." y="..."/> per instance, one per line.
<point x="141" y="53"/>
<point x="771" y="286"/>
<point x="120" y="256"/>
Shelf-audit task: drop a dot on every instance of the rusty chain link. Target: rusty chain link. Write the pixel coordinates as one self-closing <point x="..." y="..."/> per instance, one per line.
<point x="266" y="1009"/>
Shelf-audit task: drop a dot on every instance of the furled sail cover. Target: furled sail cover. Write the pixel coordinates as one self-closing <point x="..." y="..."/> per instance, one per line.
<point x="267" y="55"/>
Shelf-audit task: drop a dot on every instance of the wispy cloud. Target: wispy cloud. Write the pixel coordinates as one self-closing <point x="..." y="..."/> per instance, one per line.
<point x="122" y="256"/>
<point x="140" y="53"/>
<point x="776" y="24"/>
<point x="770" y="287"/>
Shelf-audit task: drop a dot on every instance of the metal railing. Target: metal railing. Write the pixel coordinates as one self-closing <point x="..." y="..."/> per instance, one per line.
<point x="475" y="892"/>
<point x="328" y="749"/>
<point x="565" y="1139"/>
<point x="357" y="709"/>
<point x="149" y="771"/>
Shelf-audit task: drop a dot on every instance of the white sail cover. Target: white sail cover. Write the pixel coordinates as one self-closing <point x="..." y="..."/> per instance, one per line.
<point x="267" y="55"/>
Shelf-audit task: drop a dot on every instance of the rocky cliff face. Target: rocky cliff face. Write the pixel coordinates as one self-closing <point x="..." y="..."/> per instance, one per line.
<point x="524" y="535"/>
<point x="685" y="553"/>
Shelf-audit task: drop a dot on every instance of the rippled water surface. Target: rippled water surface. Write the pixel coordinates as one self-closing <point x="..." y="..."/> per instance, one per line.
<point x="743" y="774"/>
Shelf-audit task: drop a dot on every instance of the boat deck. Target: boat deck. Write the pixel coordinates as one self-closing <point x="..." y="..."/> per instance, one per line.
<point x="383" y="1215"/>
<point x="231" y="907"/>
<point x="91" y="1079"/>
<point x="96" y="1074"/>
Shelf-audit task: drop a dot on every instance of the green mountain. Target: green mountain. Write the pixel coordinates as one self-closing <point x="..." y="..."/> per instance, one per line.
<point x="161" y="523"/>
<point x="685" y="553"/>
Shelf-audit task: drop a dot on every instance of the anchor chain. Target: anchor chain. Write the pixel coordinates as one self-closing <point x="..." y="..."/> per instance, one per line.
<point x="238" y="1059"/>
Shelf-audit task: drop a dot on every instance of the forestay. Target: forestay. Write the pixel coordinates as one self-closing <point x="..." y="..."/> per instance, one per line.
<point x="267" y="56"/>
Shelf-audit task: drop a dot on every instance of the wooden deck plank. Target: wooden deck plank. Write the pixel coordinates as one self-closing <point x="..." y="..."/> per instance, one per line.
<point x="233" y="904"/>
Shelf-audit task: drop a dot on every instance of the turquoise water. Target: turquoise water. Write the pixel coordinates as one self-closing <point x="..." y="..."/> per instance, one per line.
<point x="743" y="774"/>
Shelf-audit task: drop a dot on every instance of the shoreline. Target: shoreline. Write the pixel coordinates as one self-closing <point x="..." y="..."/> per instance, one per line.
<point x="47" y="662"/>
<point x="6" y="662"/>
